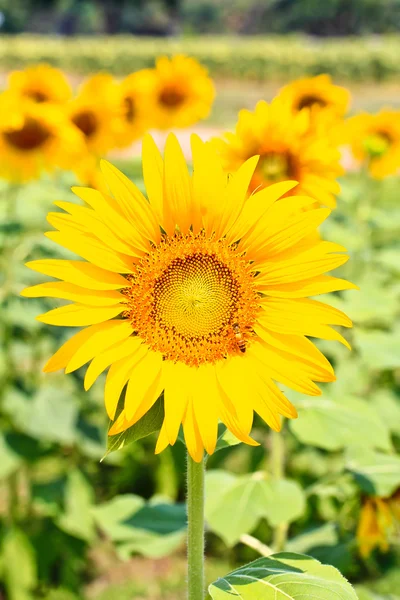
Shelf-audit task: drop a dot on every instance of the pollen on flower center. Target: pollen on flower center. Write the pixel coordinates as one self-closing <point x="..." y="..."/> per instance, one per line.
<point x="276" y="166"/>
<point x="189" y="299"/>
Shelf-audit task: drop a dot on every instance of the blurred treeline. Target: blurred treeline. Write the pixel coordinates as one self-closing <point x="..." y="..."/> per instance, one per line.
<point x="168" y="17"/>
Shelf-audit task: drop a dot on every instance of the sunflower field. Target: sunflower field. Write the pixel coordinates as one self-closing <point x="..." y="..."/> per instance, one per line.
<point x="205" y="333"/>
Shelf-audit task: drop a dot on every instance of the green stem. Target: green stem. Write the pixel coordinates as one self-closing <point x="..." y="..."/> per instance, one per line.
<point x="195" y="538"/>
<point x="278" y="472"/>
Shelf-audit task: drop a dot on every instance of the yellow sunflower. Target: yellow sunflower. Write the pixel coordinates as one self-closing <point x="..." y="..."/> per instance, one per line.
<point x="316" y="93"/>
<point x="136" y="100"/>
<point x="41" y="83"/>
<point x="35" y="138"/>
<point x="378" y="520"/>
<point x="198" y="292"/>
<point x="375" y="141"/>
<point x="97" y="113"/>
<point x="290" y="145"/>
<point x="182" y="92"/>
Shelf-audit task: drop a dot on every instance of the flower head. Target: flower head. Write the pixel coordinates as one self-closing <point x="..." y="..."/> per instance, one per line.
<point x="40" y="83"/>
<point x="290" y="145"/>
<point x="136" y="100"/>
<point x="375" y="140"/>
<point x="198" y="292"/>
<point x="182" y="92"/>
<point x="34" y="138"/>
<point x="378" y="519"/>
<point x="98" y="113"/>
<point x="316" y="93"/>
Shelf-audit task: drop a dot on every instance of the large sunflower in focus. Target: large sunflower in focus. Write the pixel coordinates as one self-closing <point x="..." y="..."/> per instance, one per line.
<point x="97" y="113"/>
<point x="40" y="83"/>
<point x="182" y="92"/>
<point x="375" y="141"/>
<point x="198" y="292"/>
<point x="316" y="93"/>
<point x="35" y="138"/>
<point x="290" y="145"/>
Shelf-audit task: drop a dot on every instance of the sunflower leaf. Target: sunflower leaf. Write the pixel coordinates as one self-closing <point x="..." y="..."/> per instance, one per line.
<point x="285" y="576"/>
<point x="148" y="424"/>
<point x="376" y="473"/>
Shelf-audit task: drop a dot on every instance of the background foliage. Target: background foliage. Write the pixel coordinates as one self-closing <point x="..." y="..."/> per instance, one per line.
<point x="263" y="59"/>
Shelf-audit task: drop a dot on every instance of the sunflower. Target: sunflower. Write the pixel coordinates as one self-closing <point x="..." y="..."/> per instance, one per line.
<point x="182" y="92"/>
<point x="197" y="292"/>
<point x="34" y="138"/>
<point x="290" y="145"/>
<point x="136" y="106"/>
<point x="41" y="83"/>
<point x="375" y="141"/>
<point x="316" y="93"/>
<point x="97" y="113"/>
<point x="378" y="520"/>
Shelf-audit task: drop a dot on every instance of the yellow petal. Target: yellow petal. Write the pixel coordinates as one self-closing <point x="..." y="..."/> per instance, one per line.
<point x="322" y="284"/>
<point x="132" y="202"/>
<point x="92" y="250"/>
<point x="80" y="273"/>
<point x="101" y="361"/>
<point x="118" y="376"/>
<point x="63" y="355"/>
<point x="70" y="291"/>
<point x="79" y="315"/>
<point x="110" y="333"/>
<point x="177" y="188"/>
<point x="178" y="386"/>
<point x="193" y="441"/>
<point x="142" y="377"/>
<point x="153" y="173"/>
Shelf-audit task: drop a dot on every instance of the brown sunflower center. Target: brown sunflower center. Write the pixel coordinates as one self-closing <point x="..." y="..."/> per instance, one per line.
<point x="86" y="121"/>
<point x="310" y="100"/>
<point x="171" y="97"/>
<point x="193" y="300"/>
<point x="276" y="166"/>
<point x="129" y="107"/>
<point x="31" y="136"/>
<point x="37" y="96"/>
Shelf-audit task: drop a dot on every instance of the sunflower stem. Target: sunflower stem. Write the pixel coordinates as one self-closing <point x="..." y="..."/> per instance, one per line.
<point x="195" y="536"/>
<point x="278" y="472"/>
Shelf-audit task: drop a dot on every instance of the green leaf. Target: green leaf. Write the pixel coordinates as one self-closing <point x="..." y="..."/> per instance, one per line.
<point x="9" y="459"/>
<point x="283" y="576"/>
<point x="77" y="519"/>
<point x="151" y="545"/>
<point x="376" y="473"/>
<point x="379" y="349"/>
<point x="111" y="516"/>
<point x="387" y="404"/>
<point x="282" y="501"/>
<point x="51" y="415"/>
<point x="19" y="565"/>
<point x="225" y="439"/>
<point x="148" y="424"/>
<point x="326" y="535"/>
<point x="249" y="498"/>
<point x="335" y="425"/>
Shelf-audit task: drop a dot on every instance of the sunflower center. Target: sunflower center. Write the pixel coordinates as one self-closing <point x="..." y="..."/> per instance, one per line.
<point x="129" y="107"/>
<point x="86" y="121"/>
<point x="309" y="100"/>
<point x="193" y="300"/>
<point x="171" y="97"/>
<point x="36" y="95"/>
<point x="377" y="144"/>
<point x="275" y="166"/>
<point x="31" y="136"/>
